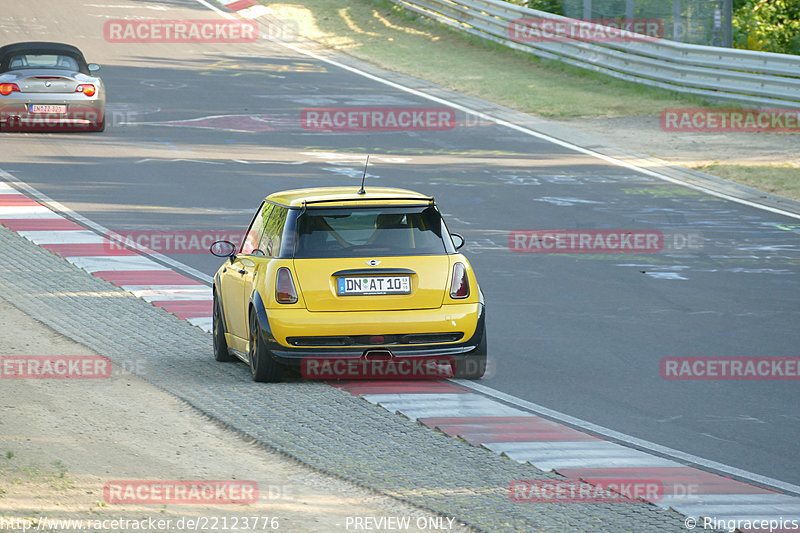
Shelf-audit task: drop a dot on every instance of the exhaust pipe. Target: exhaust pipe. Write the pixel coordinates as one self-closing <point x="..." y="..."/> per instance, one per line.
<point x="381" y="354"/>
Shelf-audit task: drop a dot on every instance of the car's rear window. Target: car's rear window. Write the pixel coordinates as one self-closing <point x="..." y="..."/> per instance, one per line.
<point x="47" y="61"/>
<point x="367" y="232"/>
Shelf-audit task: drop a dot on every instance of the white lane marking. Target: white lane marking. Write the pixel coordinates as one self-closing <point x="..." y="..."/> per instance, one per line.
<point x="666" y="275"/>
<point x="722" y="498"/>
<point x="5" y="188"/>
<point x="741" y="511"/>
<point x="549" y="448"/>
<point x="417" y="406"/>
<point x="582" y="454"/>
<point x="547" y="465"/>
<point x="179" y="160"/>
<point x="62" y="236"/>
<point x="507" y="124"/>
<point x="26" y="211"/>
<point x="713" y="504"/>
<point x="202" y="322"/>
<point x="117" y="6"/>
<point x="94" y="263"/>
<point x="254" y="11"/>
<point x="626" y="439"/>
<point x="152" y="293"/>
<point x="61" y="208"/>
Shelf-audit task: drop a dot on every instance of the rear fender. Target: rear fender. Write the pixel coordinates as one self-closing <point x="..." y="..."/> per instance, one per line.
<point x="480" y="328"/>
<point x="257" y="304"/>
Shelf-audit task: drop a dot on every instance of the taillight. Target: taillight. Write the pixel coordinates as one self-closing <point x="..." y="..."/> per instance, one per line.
<point x="459" y="287"/>
<point x="8" y="88"/>
<point x="284" y="287"/>
<point x="86" y="88"/>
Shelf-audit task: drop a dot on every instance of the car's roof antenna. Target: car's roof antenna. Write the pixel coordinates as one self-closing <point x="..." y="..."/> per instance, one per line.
<point x="361" y="190"/>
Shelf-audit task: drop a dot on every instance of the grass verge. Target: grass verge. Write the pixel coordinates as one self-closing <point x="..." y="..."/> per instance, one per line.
<point x="783" y="180"/>
<point x="383" y="34"/>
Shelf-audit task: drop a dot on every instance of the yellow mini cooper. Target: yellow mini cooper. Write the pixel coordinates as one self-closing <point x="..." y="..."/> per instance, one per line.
<point x="345" y="275"/>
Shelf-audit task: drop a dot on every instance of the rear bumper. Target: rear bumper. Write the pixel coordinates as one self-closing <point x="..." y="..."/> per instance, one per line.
<point x="466" y="318"/>
<point x="14" y="114"/>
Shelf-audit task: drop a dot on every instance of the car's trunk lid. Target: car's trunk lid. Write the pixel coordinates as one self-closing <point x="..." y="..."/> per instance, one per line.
<point x="48" y="83"/>
<point x="388" y="283"/>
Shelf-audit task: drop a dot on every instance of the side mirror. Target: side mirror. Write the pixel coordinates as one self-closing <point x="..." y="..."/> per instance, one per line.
<point x="93" y="67"/>
<point x="458" y="240"/>
<point x="223" y="249"/>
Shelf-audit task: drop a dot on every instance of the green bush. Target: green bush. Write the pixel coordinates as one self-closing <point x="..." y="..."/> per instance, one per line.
<point x="551" y="6"/>
<point x="768" y="26"/>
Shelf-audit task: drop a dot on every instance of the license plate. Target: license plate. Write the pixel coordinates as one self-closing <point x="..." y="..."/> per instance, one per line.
<point x="372" y="285"/>
<point x="49" y="109"/>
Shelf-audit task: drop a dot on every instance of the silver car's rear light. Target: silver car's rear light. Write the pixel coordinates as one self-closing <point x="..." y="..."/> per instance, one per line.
<point x="8" y="88"/>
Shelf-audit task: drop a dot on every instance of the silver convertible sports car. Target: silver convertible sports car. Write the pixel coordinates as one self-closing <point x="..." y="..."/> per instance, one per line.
<point x="47" y="87"/>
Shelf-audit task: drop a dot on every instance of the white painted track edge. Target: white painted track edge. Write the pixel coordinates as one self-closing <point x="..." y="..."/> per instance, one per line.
<point x="627" y="439"/>
<point x="60" y="208"/>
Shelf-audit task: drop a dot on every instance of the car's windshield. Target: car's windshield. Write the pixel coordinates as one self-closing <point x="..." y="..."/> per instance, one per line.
<point x="47" y="61"/>
<point x="360" y="232"/>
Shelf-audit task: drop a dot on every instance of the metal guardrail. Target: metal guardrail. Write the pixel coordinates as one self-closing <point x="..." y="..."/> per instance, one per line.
<point x="722" y="73"/>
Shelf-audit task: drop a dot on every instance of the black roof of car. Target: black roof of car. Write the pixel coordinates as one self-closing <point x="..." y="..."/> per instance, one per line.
<point x="37" y="47"/>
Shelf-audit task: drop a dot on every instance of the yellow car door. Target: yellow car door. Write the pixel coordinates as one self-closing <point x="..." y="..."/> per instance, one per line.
<point x="236" y="279"/>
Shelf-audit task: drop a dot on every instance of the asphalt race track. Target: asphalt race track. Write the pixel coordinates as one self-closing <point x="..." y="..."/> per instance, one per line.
<point x="199" y="134"/>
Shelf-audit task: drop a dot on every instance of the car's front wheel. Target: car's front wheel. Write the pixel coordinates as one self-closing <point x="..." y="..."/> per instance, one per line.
<point x="263" y="366"/>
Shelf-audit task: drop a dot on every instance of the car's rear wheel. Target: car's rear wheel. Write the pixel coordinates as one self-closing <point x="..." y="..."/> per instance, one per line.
<point x="220" y="346"/>
<point x="263" y="366"/>
<point x="473" y="365"/>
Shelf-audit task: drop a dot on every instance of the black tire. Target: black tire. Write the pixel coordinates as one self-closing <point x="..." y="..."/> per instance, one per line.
<point x="263" y="366"/>
<point x="473" y="365"/>
<point x="221" y="353"/>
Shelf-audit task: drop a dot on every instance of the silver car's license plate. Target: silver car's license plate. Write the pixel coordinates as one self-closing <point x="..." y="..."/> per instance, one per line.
<point x="372" y="285"/>
<point x="49" y="109"/>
